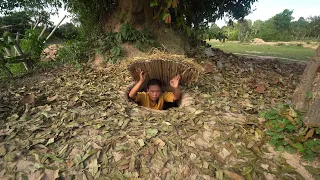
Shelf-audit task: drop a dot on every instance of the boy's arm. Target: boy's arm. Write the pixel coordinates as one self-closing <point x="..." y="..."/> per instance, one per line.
<point x="175" y="84"/>
<point x="135" y="89"/>
<point x="176" y="93"/>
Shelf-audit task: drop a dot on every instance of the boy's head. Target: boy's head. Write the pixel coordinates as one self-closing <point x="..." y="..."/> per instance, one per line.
<point x="154" y="89"/>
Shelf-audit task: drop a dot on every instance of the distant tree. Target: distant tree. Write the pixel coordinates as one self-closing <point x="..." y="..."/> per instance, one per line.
<point x="256" y="27"/>
<point x="16" y="22"/>
<point x="300" y="28"/>
<point x="314" y="26"/>
<point x="282" y="21"/>
<point x="244" y="30"/>
<point x="277" y="28"/>
<point x="67" y="31"/>
<point x="213" y="31"/>
<point x="231" y="30"/>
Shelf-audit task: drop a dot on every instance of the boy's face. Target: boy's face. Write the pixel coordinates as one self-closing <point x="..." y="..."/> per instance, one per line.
<point x="154" y="92"/>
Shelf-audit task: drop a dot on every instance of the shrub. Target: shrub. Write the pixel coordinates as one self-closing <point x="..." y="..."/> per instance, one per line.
<point x="288" y="133"/>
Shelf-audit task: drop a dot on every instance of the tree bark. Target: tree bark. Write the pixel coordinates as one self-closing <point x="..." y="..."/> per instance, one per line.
<point x="313" y="116"/>
<point x="148" y="12"/>
<point x="309" y="84"/>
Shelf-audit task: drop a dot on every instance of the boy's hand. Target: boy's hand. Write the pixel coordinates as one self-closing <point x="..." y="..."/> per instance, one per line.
<point x="142" y="76"/>
<point x="175" y="81"/>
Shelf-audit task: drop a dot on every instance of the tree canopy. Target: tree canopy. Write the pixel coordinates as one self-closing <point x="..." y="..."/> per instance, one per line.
<point x="280" y="27"/>
<point x="194" y="14"/>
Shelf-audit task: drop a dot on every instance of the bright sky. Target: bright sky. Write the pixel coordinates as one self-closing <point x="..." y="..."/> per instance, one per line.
<point x="56" y="18"/>
<point x="265" y="9"/>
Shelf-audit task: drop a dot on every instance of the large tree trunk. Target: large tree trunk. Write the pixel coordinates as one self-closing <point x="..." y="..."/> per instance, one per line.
<point x="309" y="85"/>
<point x="140" y="15"/>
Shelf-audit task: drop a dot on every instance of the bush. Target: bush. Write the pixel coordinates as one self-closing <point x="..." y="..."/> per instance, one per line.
<point x="67" y="31"/>
<point x="308" y="42"/>
<point x="74" y="51"/>
<point x="85" y="47"/>
<point x="288" y="133"/>
<point x="281" y="44"/>
<point x="300" y="45"/>
<point x="32" y="46"/>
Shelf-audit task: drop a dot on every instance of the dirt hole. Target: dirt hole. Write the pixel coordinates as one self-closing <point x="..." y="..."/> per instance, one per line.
<point x="185" y="100"/>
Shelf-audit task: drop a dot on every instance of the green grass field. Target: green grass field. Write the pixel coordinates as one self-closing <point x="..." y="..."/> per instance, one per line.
<point x="293" y="51"/>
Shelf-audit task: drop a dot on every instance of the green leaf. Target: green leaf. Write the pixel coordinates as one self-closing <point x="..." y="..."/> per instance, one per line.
<point x="169" y="3"/>
<point x="273" y="142"/>
<point x="270" y="133"/>
<point x="54" y="158"/>
<point x="309" y="95"/>
<point x="317" y="130"/>
<point x="309" y="157"/>
<point x="272" y="115"/>
<point x="154" y="3"/>
<point x="290" y="127"/>
<point x="310" y="143"/>
<point x="299" y="147"/>
<point x="280" y="148"/>
<point x="262" y="114"/>
<point x="290" y="149"/>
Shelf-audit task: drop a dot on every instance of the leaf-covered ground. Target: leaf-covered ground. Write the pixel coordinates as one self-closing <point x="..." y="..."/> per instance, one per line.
<point x="79" y="125"/>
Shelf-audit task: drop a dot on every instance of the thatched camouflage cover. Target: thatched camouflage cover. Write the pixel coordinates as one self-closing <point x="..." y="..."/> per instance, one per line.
<point x="164" y="66"/>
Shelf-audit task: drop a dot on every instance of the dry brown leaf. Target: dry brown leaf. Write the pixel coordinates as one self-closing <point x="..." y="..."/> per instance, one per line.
<point x="260" y="88"/>
<point x="23" y="165"/>
<point x="27" y="99"/>
<point x="292" y="113"/>
<point x="291" y="120"/>
<point x="36" y="175"/>
<point x="233" y="175"/>
<point x="50" y="174"/>
<point x="158" y="142"/>
<point x="69" y="164"/>
<point x="209" y="67"/>
<point x="273" y="101"/>
<point x="275" y="81"/>
<point x="309" y="134"/>
<point x="117" y="156"/>
<point x="50" y="99"/>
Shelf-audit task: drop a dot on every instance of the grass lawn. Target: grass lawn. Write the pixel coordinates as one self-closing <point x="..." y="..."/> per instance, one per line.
<point x="293" y="51"/>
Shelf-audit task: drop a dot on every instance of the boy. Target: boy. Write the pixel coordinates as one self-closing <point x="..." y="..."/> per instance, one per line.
<point x="154" y="98"/>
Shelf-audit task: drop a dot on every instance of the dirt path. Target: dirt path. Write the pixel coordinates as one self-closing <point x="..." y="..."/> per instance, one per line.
<point x="270" y="57"/>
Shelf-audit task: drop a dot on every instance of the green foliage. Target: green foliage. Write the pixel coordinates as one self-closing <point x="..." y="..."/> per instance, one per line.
<point x="309" y="94"/>
<point x="82" y="48"/>
<point x="18" y="22"/>
<point x="73" y="51"/>
<point x="287" y="132"/>
<point x="31" y="45"/>
<point x="67" y="31"/>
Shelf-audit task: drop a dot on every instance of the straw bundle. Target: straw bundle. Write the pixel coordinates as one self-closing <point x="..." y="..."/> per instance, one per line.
<point x="164" y="67"/>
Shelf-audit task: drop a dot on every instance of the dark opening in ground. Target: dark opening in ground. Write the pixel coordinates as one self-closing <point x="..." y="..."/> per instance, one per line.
<point x="185" y="100"/>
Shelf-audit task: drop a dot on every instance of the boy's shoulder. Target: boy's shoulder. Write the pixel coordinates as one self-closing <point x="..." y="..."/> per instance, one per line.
<point x="142" y="94"/>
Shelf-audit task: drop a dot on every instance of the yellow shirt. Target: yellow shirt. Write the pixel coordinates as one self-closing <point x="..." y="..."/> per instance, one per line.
<point x="143" y="99"/>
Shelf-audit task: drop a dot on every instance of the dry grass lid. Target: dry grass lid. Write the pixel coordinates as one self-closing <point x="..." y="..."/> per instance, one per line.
<point x="164" y="66"/>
